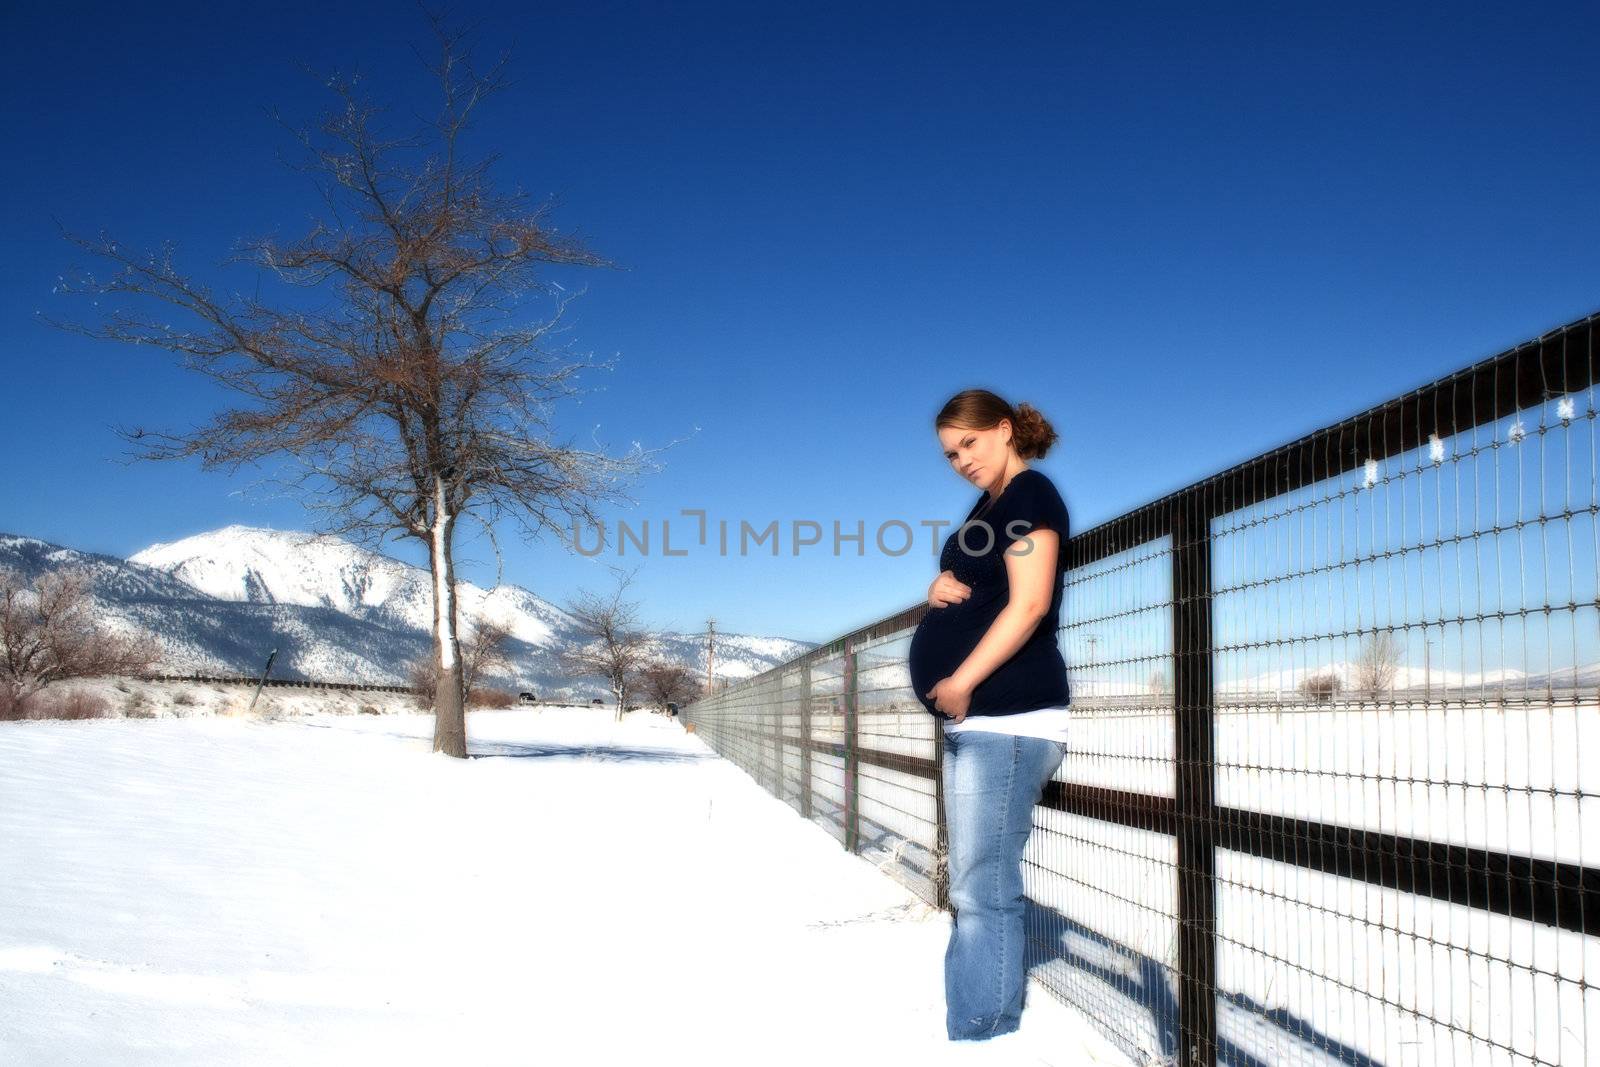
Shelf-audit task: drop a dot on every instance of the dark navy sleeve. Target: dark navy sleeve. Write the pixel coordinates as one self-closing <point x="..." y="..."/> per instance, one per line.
<point x="1037" y="507"/>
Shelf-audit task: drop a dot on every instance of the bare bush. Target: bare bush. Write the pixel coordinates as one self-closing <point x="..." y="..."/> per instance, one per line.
<point x="490" y="698"/>
<point x="48" y="634"/>
<point x="482" y="649"/>
<point x="423" y="678"/>
<point x="71" y="704"/>
<point x="668" y="683"/>
<point x="1320" y="688"/>
<point x="13" y="706"/>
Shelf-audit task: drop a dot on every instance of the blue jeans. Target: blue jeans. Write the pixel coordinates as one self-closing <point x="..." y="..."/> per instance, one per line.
<point x="991" y="783"/>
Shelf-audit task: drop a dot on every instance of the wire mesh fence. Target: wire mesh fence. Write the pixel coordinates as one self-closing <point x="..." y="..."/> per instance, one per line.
<point x="1326" y="801"/>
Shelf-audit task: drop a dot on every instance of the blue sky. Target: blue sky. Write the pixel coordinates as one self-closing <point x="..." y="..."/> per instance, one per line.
<point x="1185" y="234"/>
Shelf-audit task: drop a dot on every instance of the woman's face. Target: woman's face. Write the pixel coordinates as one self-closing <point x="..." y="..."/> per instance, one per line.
<point x="978" y="455"/>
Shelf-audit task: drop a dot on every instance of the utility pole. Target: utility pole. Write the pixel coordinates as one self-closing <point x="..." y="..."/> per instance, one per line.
<point x="264" y="672"/>
<point x="711" y="654"/>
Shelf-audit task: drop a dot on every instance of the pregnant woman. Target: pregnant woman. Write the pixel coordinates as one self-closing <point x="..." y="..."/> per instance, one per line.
<point x="984" y="660"/>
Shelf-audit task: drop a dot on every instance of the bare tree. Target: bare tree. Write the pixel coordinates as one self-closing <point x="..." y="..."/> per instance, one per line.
<point x="484" y="650"/>
<point x="414" y="391"/>
<point x="1378" y="663"/>
<point x="48" y="634"/>
<point x="666" y="683"/>
<point x="422" y="675"/>
<point x="1320" y="688"/>
<point x="614" y="648"/>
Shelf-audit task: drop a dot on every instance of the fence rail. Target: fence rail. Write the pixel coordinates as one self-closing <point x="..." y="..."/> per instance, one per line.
<point x="290" y="683"/>
<point x="1327" y="803"/>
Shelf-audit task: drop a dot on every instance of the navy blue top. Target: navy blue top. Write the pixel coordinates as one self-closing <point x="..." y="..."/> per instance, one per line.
<point x="1035" y="676"/>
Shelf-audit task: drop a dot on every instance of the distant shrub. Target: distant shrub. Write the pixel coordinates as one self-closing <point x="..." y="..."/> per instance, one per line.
<point x="72" y="704"/>
<point x="491" y="698"/>
<point x="423" y="680"/>
<point x="1320" y="688"/>
<point x="185" y="699"/>
<point x="50" y="628"/>
<point x="370" y="709"/>
<point x="54" y="704"/>
<point x="13" y="705"/>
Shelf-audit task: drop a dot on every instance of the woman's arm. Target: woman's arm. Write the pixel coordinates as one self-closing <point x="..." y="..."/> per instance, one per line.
<point x="1031" y="572"/>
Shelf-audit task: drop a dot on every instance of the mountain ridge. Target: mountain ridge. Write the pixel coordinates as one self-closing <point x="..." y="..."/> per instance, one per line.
<point x="220" y="600"/>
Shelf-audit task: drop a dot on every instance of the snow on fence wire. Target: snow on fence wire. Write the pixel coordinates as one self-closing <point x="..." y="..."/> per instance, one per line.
<point x="293" y="683"/>
<point x="1326" y="802"/>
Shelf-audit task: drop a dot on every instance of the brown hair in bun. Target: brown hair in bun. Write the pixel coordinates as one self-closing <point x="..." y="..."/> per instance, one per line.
<point x="979" y="409"/>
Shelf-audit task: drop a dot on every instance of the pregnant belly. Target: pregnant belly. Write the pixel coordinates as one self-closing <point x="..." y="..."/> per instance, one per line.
<point x="941" y="643"/>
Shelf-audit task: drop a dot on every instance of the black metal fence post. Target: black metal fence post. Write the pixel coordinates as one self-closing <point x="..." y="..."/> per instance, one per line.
<point x="1195" y="773"/>
<point x="941" y="837"/>
<point x="805" y="739"/>
<point x="852" y="764"/>
<point x="777" y="738"/>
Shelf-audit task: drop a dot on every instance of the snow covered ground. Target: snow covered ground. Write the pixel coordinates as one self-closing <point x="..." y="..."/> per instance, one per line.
<point x="322" y="889"/>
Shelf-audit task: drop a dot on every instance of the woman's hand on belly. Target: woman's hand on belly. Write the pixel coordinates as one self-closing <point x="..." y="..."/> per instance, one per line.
<point x="945" y="590"/>
<point x="951" y="697"/>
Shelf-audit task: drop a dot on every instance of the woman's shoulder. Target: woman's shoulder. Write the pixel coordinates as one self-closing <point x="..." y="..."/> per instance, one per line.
<point x="1038" y="482"/>
<point x="1039" y="499"/>
<point x="1035" y="473"/>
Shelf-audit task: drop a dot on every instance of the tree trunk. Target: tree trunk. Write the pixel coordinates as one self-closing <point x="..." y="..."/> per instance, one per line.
<point x="449" y="704"/>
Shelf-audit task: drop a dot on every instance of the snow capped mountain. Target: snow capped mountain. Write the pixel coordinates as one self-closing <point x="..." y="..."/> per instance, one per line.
<point x="201" y="634"/>
<point x="244" y="563"/>
<point x="278" y="567"/>
<point x="220" y="601"/>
